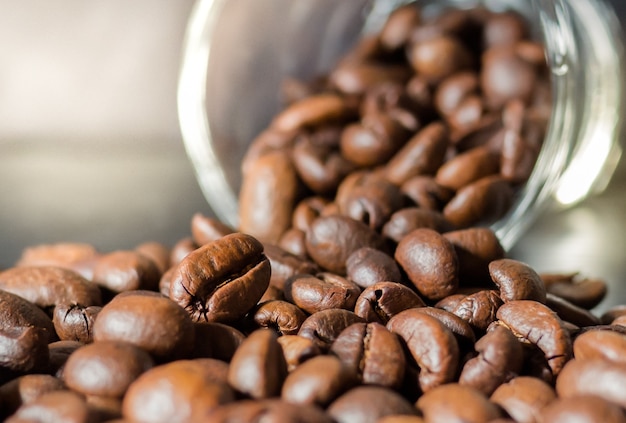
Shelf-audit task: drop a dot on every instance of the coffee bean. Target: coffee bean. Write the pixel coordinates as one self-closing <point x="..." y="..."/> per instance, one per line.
<point x="475" y="249"/>
<point x="598" y="344"/>
<point x="505" y="29"/>
<point x="438" y="57"/>
<point x="54" y="407"/>
<point x="352" y="78"/>
<point x="479" y="309"/>
<point x="450" y="302"/>
<point x="75" y="256"/>
<point x="321" y="292"/>
<point x="582" y="409"/>
<point x="307" y="211"/>
<point x="74" y="322"/>
<point x="398" y="27"/>
<point x="206" y="229"/>
<point x="121" y="271"/>
<point x="517" y="281"/>
<point x="469" y="405"/>
<point x="157" y="252"/>
<point x="285" y="265"/>
<point x="368" y="404"/>
<point x="325" y="326"/>
<point x="506" y="76"/>
<point x="583" y="292"/>
<point x="426" y="193"/>
<point x="24" y="390"/>
<point x="283" y="317"/>
<point x="181" y="249"/>
<point x="380" y="302"/>
<point x="223" y="280"/>
<point x="311" y="112"/>
<point x="216" y="340"/>
<point x="297" y="350"/>
<point x="598" y="377"/>
<point x="406" y="220"/>
<point x="272" y="410"/>
<point x="523" y="398"/>
<point x="293" y="242"/>
<point x="467" y="167"/>
<point x="461" y="330"/>
<point x="570" y="312"/>
<point x="368" y="266"/>
<point x="59" y="353"/>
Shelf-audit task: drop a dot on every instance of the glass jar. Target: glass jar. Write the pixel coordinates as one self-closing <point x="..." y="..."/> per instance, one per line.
<point x="237" y="53"/>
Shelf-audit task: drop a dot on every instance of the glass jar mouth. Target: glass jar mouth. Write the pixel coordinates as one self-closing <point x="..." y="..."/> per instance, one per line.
<point x="580" y="150"/>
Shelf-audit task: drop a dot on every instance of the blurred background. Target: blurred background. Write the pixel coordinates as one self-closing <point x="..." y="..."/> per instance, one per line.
<point x="91" y="151"/>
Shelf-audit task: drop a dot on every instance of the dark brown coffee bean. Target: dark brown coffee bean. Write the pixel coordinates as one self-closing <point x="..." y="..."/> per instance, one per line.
<point x="267" y="196"/>
<point x="157" y="252"/>
<point x="272" y="410"/>
<point x="367" y="404"/>
<point x="223" y="280"/>
<point x="368" y="266"/>
<point x="357" y="78"/>
<point x="24" y="390"/>
<point x="216" y="340"/>
<point x="332" y="239"/>
<point x="517" y="281"/>
<point x="285" y="265"/>
<point x="268" y="141"/>
<point x="479" y="309"/>
<point x="469" y="405"/>
<point x="438" y="57"/>
<point x="180" y="391"/>
<point x="461" y="330"/>
<point x="74" y="322"/>
<point x="398" y="27"/>
<point x="131" y="318"/>
<point x="406" y="220"/>
<point x="598" y="377"/>
<point x="181" y="249"/>
<point x="421" y="155"/>
<point x="105" y="368"/>
<point x="535" y="323"/>
<point x="47" y="286"/>
<point x="25" y="332"/>
<point x="272" y="293"/>
<point x="373" y="354"/>
<point x="318" y="381"/>
<point x="312" y="112"/>
<point x="430" y="262"/>
<point x="325" y="326"/>
<point x="293" y="242"/>
<point x="583" y="409"/>
<point x="206" y="229"/>
<point x="570" y="312"/>
<point x="283" y="317"/>
<point x="453" y="90"/>
<point x="600" y="344"/>
<point x="484" y="200"/>
<point x="121" y="271"/>
<point x="54" y="407"/>
<point x="613" y="313"/>
<point x="307" y="211"/>
<point x="505" y="76"/>
<point x="500" y="356"/>
<point x="583" y="292"/>
<point x="450" y="302"/>
<point x="258" y="367"/>
<point x="467" y="167"/>
<point x="431" y="344"/>
<point x="523" y="398"/>
<point x="321" y="292"/>
<point x="297" y="350"/>
<point x="380" y="302"/>
<point x="75" y="256"/>
<point x="59" y="353"/>
<point x="166" y="281"/>
<point x="426" y="193"/>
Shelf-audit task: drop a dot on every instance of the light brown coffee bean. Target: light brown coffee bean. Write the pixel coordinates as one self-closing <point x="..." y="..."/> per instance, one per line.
<point x="454" y="402"/>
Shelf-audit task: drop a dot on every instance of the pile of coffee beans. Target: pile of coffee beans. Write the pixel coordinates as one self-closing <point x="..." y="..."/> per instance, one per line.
<point x="362" y="285"/>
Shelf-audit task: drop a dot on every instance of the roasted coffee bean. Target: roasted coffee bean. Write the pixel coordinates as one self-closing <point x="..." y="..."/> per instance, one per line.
<point x="157" y="252"/>
<point x="180" y="391"/>
<point x="467" y="167"/>
<point x="430" y="343"/>
<point x="479" y="309"/>
<point x="54" y="407"/>
<point x="399" y="418"/>
<point x="292" y="241"/>
<point x="517" y="281"/>
<point x="205" y="229"/>
<point x="216" y="340"/>
<point x="367" y="404"/>
<point x="600" y="344"/>
<point x="583" y="292"/>
<point x="24" y="390"/>
<point x="47" y="286"/>
<point x="535" y="323"/>
<point x="116" y="365"/>
<point x="426" y="193"/>
<point x="104" y="408"/>
<point x="223" y="280"/>
<point x="500" y="357"/>
<point x="59" y="353"/>
<point x="368" y="266"/>
<point x="450" y="302"/>
<point x="121" y="271"/>
<point x="504" y="29"/>
<point x="506" y="76"/>
<point x="453" y="90"/>
<point x="570" y="312"/>
<point x="421" y="155"/>
<point x="272" y="293"/>
<point x="285" y="265"/>
<point x="430" y="262"/>
<point x="166" y="281"/>
<point x="406" y="220"/>
<point x="598" y="377"/>
<point x="272" y="410"/>
<point x="269" y="140"/>
<point x="454" y="402"/>
<point x="325" y="326"/>
<point x="373" y="354"/>
<point x="312" y="112"/>
<point x="523" y="398"/>
<point x="332" y="239"/>
<point x="613" y="313"/>
<point x="583" y="409"/>
<point x="258" y="367"/>
<point x="25" y="332"/>
<point x="438" y="57"/>
<point x="75" y="256"/>
<point x="181" y="249"/>
<point x="318" y="381"/>
<point x="307" y="211"/>
<point x="297" y="350"/>
<point x="323" y="291"/>
<point x="475" y="248"/>
<point x="283" y="317"/>
<point x="153" y="323"/>
<point x="461" y="330"/>
<point x="398" y="27"/>
<point x="357" y="78"/>
<point x="380" y="302"/>
<point x="74" y="322"/>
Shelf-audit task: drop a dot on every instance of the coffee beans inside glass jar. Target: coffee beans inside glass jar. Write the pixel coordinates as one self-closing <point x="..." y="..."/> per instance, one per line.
<point x="362" y="285"/>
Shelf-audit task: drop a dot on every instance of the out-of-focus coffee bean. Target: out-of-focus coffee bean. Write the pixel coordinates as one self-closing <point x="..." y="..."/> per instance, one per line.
<point x="180" y="391"/>
<point x="475" y="248"/>
<point x="206" y="229"/>
<point x="398" y="27"/>
<point x="223" y="280"/>
<point x="599" y="344"/>
<point x="323" y="291"/>
<point x="523" y="398"/>
<point x="454" y="402"/>
<point x="358" y="78"/>
<point x="282" y="316"/>
<point x="297" y="350"/>
<point x="583" y="292"/>
<point x="467" y="167"/>
<point x="74" y="322"/>
<point x="115" y="364"/>
<point x="426" y="193"/>
<point x="504" y="29"/>
<point x="368" y="266"/>
<point x="54" y="407"/>
<point x="430" y="262"/>
<point x="517" y="281"/>
<point x="613" y="313"/>
<point x="121" y="271"/>
<point x="450" y="302"/>
<point x="47" y="286"/>
<point x="479" y="309"/>
<point x="267" y="197"/>
<point x="181" y="249"/>
<point x="258" y="367"/>
<point x="431" y="344"/>
<point x="157" y="252"/>
<point x="318" y="381"/>
<point x="406" y="220"/>
<point x="570" y="312"/>
<point x="24" y="390"/>
<point x="438" y="57"/>
<point x="155" y="324"/>
<point x="367" y="404"/>
<point x="598" y="377"/>
<point x="505" y="76"/>
<point x="216" y="340"/>
<point x="421" y="155"/>
<point x="380" y="302"/>
<point x="583" y="409"/>
<point x="293" y="242"/>
<point x="401" y="419"/>
<point x="272" y="410"/>
<point x="325" y="326"/>
<point x="311" y="112"/>
<point x="285" y="265"/>
<point x="267" y="141"/>
<point x="468" y="114"/>
<point x="331" y="239"/>
<point x="307" y="211"/>
<point x="59" y="353"/>
<point x="453" y="90"/>
<point x="461" y="330"/>
<point x="500" y="356"/>
<point x="75" y="256"/>
<point x="373" y="354"/>
<point x="272" y="293"/>
<point x="535" y="323"/>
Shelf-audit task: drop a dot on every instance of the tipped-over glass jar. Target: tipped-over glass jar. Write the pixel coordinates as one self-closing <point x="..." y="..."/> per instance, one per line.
<point x="237" y="53"/>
